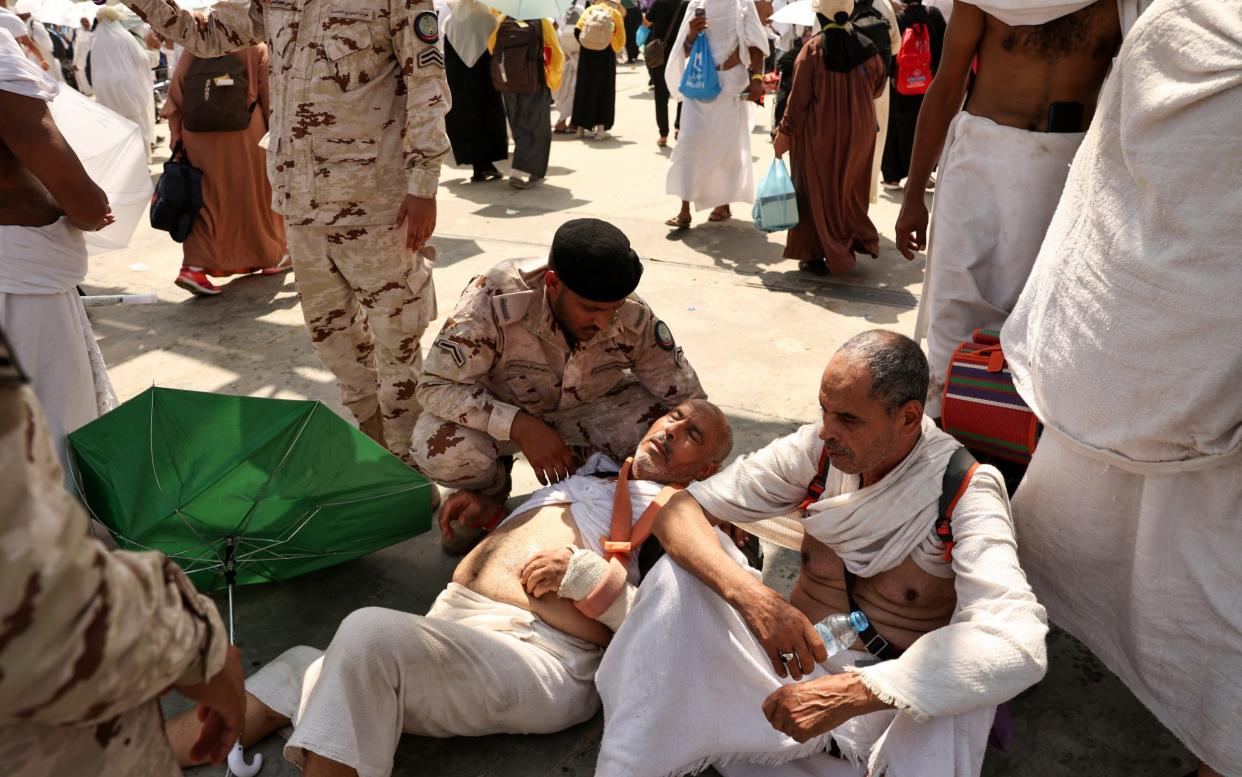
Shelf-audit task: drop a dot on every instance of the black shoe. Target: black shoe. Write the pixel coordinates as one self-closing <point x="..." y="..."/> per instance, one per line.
<point x="486" y="175"/>
<point x="817" y="267"/>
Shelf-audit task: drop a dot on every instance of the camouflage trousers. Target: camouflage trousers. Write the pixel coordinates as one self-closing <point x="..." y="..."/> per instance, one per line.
<point x="367" y="299"/>
<point x="460" y="457"/>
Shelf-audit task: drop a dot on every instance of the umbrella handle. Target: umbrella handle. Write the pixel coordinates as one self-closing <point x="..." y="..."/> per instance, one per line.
<point x="238" y="765"/>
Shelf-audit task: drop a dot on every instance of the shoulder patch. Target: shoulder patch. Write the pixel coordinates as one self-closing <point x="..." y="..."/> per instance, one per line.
<point x="511" y="308"/>
<point x="427" y="27"/>
<point x="664" y="336"/>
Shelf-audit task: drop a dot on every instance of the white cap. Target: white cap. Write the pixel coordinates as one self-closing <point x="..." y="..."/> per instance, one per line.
<point x="25" y="6"/>
<point x="830" y="8"/>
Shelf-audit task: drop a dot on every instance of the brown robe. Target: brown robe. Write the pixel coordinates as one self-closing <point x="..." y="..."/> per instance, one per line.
<point x="236" y="230"/>
<point x="831" y="124"/>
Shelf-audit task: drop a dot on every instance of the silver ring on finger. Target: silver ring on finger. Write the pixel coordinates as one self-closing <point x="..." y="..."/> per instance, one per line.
<point x="788" y="657"/>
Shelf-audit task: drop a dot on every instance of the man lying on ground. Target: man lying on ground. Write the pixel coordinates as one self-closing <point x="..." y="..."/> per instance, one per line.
<point x="956" y="629"/>
<point x="488" y="657"/>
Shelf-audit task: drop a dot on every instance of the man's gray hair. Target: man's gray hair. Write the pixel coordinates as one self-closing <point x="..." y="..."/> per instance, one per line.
<point x="899" y="371"/>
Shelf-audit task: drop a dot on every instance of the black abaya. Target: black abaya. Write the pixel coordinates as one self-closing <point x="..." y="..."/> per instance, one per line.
<point x="476" y="122"/>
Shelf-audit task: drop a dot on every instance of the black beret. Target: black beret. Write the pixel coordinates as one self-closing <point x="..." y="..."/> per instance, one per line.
<point x="594" y="260"/>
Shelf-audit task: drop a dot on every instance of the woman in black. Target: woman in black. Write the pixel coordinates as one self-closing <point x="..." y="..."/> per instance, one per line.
<point x="664" y="17"/>
<point x="903" y="109"/>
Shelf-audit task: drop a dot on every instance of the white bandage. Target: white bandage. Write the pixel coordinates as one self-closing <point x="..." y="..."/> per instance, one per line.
<point x="599" y="588"/>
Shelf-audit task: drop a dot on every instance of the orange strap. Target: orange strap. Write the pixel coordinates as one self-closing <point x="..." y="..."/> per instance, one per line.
<point x="626" y="535"/>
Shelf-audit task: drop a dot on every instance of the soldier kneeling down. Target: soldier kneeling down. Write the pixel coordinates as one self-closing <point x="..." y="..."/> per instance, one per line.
<point x="555" y="359"/>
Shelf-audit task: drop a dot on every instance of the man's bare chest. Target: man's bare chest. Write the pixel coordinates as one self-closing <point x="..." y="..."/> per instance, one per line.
<point x="903" y="603"/>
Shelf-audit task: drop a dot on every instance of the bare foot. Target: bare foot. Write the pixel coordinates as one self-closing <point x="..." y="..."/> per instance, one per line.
<point x="721" y="213"/>
<point x="183" y="730"/>
<point x="464" y="518"/>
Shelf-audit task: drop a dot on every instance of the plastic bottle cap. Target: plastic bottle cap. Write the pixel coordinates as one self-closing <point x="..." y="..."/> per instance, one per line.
<point x="859" y="621"/>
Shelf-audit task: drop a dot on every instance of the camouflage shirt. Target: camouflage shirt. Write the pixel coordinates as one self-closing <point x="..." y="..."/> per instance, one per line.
<point x="88" y="638"/>
<point x="358" y="98"/>
<point x="502" y="351"/>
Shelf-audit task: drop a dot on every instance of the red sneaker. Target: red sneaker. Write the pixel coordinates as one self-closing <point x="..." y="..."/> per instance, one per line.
<point x="196" y="282"/>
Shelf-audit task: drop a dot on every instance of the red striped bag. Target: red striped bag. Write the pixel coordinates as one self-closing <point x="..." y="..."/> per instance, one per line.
<point x="981" y="407"/>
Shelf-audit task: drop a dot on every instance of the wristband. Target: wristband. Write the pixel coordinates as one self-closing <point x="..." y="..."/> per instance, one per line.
<point x="756" y="76"/>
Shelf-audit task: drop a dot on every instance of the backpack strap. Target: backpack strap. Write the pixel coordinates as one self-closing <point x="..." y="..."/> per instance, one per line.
<point x="957" y="475"/>
<point x="815" y="489"/>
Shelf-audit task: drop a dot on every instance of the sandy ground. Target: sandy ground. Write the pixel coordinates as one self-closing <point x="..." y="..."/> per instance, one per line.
<point x="758" y="332"/>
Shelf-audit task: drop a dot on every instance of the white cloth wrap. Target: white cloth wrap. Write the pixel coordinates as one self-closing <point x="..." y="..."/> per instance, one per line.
<point x="996" y="192"/>
<point x="18" y="74"/>
<point x="82" y="48"/>
<point x="470" y="667"/>
<point x="121" y="76"/>
<point x="569" y="73"/>
<point x="711" y="164"/>
<point x="590" y="500"/>
<point x="46" y="323"/>
<point x="1125" y="343"/>
<point x="1027" y="12"/>
<point x="859" y="523"/>
<point x="946" y="685"/>
<point x="1125" y="340"/>
<point x="13" y="24"/>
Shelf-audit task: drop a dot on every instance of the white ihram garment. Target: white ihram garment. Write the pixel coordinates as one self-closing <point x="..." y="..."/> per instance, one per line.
<point x="471" y="666"/>
<point x="945" y="686"/>
<point x="121" y="76"/>
<point x="1125" y="343"/>
<point x="569" y="74"/>
<point x="996" y="192"/>
<point x="81" y="49"/>
<point x="40" y="268"/>
<point x="710" y="165"/>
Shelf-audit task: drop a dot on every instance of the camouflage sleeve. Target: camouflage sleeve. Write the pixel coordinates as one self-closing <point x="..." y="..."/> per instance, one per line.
<point x="85" y="633"/>
<point x="415" y="39"/>
<point x="661" y="366"/>
<point x="462" y="355"/>
<point x="229" y="24"/>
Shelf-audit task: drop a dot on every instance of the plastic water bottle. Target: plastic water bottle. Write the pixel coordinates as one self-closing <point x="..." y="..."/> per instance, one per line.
<point x="839" y="631"/>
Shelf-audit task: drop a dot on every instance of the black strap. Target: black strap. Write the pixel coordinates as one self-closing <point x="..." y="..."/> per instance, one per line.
<point x="961" y="467"/>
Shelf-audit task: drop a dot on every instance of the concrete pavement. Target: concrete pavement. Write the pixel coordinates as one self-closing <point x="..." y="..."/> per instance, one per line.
<point x="758" y="331"/>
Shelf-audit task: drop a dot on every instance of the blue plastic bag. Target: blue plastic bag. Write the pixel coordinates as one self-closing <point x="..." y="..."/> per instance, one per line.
<point x="700" y="81"/>
<point x="642" y="35"/>
<point x="776" y="203"/>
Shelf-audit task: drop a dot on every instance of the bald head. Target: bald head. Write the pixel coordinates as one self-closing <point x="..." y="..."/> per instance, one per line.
<point x="688" y="443"/>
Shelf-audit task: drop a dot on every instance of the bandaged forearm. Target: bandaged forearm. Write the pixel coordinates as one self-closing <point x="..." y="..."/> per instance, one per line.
<point x="598" y="588"/>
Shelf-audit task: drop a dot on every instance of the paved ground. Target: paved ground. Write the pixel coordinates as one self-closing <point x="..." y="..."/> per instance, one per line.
<point x="758" y="332"/>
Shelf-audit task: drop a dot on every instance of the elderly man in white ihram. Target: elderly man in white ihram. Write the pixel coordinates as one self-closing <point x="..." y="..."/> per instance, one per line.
<point x="899" y="523"/>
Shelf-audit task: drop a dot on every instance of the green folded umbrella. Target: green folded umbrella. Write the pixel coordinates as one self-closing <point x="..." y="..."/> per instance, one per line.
<point x="244" y="489"/>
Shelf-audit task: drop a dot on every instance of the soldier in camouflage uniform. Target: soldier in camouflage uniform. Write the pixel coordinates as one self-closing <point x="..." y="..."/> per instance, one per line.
<point x="553" y="358"/>
<point x="89" y="638"/>
<point x="358" y="99"/>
